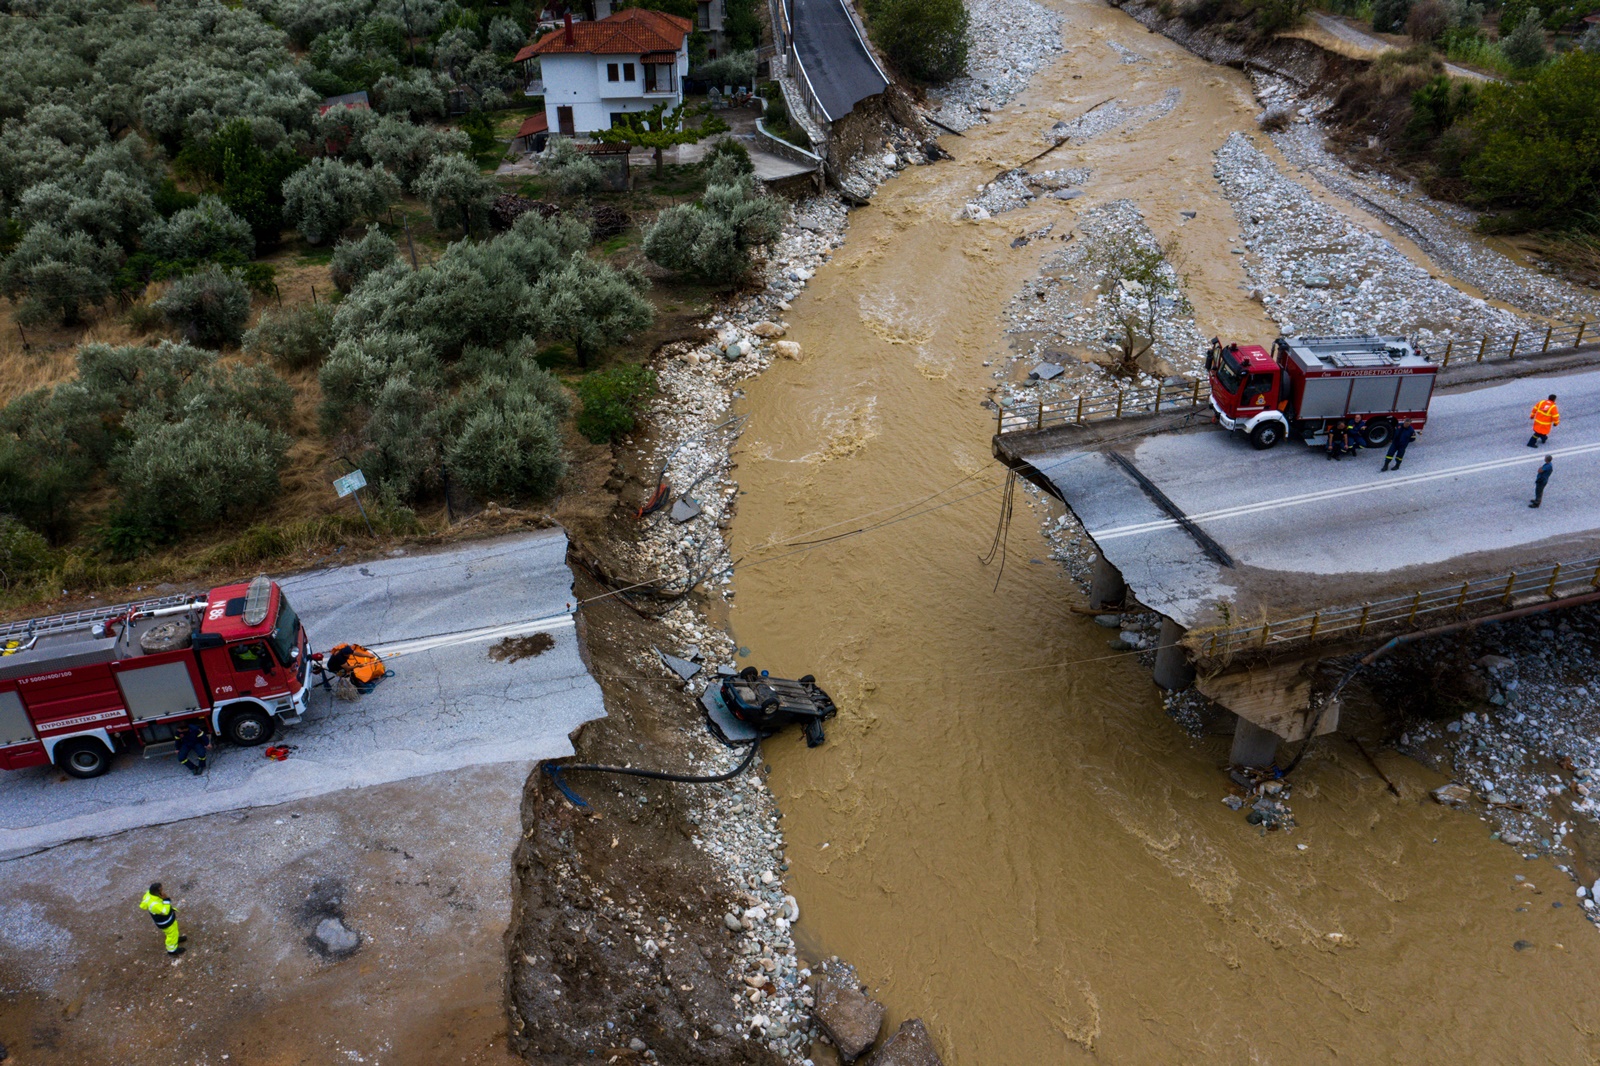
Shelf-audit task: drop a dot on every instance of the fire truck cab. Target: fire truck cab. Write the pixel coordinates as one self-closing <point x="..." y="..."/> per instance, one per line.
<point x="76" y="688"/>
<point x="1306" y="385"/>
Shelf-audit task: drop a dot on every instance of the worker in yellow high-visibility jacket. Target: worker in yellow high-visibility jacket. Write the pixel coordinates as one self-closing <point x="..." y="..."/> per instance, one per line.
<point x="166" y="918"/>
<point x="1546" y="416"/>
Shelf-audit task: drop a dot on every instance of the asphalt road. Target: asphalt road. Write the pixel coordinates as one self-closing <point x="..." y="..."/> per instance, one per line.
<point x="446" y="706"/>
<point x="836" y="63"/>
<point x="1289" y="516"/>
<point x="1352" y="35"/>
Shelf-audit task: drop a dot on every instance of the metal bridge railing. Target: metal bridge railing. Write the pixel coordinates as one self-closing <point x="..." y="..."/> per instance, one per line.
<point x="1176" y="395"/>
<point x="1434" y="606"/>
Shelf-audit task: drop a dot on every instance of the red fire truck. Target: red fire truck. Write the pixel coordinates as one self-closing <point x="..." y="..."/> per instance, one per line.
<point x="76" y="688"/>
<point x="1307" y="384"/>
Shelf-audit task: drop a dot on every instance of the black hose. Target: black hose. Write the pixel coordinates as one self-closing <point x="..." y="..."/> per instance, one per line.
<point x="662" y="775"/>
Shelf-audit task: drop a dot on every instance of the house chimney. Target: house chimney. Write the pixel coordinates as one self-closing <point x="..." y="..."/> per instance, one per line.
<point x="568" y="18"/>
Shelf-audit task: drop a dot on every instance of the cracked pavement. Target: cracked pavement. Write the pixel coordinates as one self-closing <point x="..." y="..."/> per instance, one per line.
<point x="446" y="705"/>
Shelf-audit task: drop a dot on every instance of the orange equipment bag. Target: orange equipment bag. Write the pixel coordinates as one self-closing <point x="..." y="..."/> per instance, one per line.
<point x="357" y="663"/>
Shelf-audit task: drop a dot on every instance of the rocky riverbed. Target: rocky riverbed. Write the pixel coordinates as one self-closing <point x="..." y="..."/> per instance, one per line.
<point x="1010" y="41"/>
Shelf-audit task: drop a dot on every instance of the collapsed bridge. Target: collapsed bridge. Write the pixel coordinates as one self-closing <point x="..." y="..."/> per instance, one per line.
<point x="1264" y="563"/>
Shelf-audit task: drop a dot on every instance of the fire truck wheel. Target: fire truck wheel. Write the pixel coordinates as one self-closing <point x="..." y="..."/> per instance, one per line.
<point x="1266" y="435"/>
<point x="1378" y="432"/>
<point x="248" y="726"/>
<point x="84" y="757"/>
<point x="171" y="635"/>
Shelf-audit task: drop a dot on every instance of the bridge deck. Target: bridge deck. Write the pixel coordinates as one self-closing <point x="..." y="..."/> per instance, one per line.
<point x="841" y="71"/>
<point x="1304" y="534"/>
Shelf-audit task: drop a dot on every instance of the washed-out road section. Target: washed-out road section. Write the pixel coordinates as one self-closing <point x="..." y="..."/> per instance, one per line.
<point x="1305" y="533"/>
<point x="447" y="705"/>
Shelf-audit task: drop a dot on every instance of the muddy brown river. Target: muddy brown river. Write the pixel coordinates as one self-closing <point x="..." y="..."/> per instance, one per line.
<point x="1004" y="832"/>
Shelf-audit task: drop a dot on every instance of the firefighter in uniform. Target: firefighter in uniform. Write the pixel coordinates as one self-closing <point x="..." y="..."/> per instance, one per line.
<point x="165" y="916"/>
<point x="1404" y="434"/>
<point x="1546" y="416"/>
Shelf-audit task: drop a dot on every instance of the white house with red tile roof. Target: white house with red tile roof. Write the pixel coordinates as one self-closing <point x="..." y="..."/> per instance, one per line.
<point x="593" y="71"/>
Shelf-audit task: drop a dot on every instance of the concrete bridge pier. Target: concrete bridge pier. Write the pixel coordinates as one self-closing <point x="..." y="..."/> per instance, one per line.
<point x="1172" y="670"/>
<point x="1252" y="745"/>
<point x="1106" y="587"/>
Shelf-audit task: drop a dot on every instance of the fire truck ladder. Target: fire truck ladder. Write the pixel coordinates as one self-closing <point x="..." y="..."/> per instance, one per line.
<point x="29" y="628"/>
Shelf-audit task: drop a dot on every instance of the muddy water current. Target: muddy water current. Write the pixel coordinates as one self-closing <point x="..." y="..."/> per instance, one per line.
<point x="1004" y="832"/>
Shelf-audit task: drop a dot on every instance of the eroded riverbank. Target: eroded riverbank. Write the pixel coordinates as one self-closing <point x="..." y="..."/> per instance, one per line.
<point x="1005" y="833"/>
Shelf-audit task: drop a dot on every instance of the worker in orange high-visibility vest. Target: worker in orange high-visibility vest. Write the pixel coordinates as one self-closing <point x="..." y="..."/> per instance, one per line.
<point x="166" y="918"/>
<point x="1545" y="418"/>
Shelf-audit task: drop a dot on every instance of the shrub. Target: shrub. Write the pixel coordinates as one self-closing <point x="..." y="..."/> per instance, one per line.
<point x="1388" y="16"/>
<point x="210" y="230"/>
<point x="294" y="338"/>
<point x="457" y="195"/>
<point x="717" y="238"/>
<point x="325" y="198"/>
<point x="1534" y="153"/>
<point x="24" y="554"/>
<point x="1525" y="47"/>
<point x="612" y="401"/>
<point x="926" y="38"/>
<point x="727" y="161"/>
<point x="197" y="471"/>
<point x="734" y="69"/>
<point x="354" y="260"/>
<point x="1428" y="21"/>
<point x="418" y="95"/>
<point x="574" y="173"/>
<point x="209" y="308"/>
<point x="405" y="149"/>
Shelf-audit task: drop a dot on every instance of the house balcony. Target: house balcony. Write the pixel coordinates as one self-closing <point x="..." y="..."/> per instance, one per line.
<point x="534" y="87"/>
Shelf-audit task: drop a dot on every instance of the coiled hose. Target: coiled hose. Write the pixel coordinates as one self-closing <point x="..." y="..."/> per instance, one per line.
<point x="555" y="773"/>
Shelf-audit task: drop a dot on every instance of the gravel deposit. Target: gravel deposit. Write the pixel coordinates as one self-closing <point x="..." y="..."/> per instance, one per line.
<point x="1319" y="272"/>
<point x="1011" y="40"/>
<point x="1111" y="117"/>
<point x="1440" y="229"/>
<point x="1065" y="308"/>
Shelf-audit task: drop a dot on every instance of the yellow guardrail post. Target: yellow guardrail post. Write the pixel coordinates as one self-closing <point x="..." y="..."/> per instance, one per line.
<point x="1512" y="354"/>
<point x="1079" y="419"/>
<point x="1461" y="601"/>
<point x="1547" y="332"/>
<point x="1510" y="583"/>
<point x="1366" y="610"/>
<point x="1266" y="633"/>
<point x="1416" y="601"/>
<point x="1041" y="415"/>
<point x="1555" y="574"/>
<point x="1578" y="340"/>
<point x="1119" y="403"/>
<point x="1158" y="396"/>
<point x="1483" y="347"/>
<point x="1449" y="344"/>
<point x="1316" y="623"/>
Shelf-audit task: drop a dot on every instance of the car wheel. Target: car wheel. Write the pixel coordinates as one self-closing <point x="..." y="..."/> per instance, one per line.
<point x="1379" y="433"/>
<point x="1266" y="435"/>
<point x="171" y="635"/>
<point x="82" y="758"/>
<point x="248" y="727"/>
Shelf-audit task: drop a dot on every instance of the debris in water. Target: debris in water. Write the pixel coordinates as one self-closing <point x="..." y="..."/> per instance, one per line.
<point x="514" y="648"/>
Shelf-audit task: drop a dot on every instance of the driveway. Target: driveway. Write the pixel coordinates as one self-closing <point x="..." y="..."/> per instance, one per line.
<point x="447" y="705"/>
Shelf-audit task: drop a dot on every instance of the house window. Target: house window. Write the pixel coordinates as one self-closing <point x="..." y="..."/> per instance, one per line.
<point x="627" y="72"/>
<point x="658" y="78"/>
<point x="705" y="14"/>
<point x="618" y="118"/>
<point x="611" y="72"/>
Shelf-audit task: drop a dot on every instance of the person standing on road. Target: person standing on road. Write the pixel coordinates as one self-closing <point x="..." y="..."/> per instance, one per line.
<point x="1545" y="418"/>
<point x="165" y="916"/>
<point x="1404" y="434"/>
<point x="194" y="746"/>
<point x="1540" y="480"/>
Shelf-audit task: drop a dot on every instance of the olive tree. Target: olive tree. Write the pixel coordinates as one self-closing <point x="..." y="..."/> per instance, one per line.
<point x="717" y="238"/>
<point x="575" y="173"/>
<point x="457" y="194"/>
<point x="592" y="305"/>
<point x="208" y="231"/>
<point x="326" y="197"/>
<point x="199" y="470"/>
<point x="354" y="260"/>
<point x="209" y="307"/>
<point x="59" y="275"/>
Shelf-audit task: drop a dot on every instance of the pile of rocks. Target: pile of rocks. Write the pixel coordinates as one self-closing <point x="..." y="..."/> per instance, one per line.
<point x="1318" y="272"/>
<point x="1009" y="41"/>
<point x="851" y="1020"/>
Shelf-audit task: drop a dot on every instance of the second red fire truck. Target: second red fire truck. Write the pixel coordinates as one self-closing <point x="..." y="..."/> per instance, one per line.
<point x="76" y="688"/>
